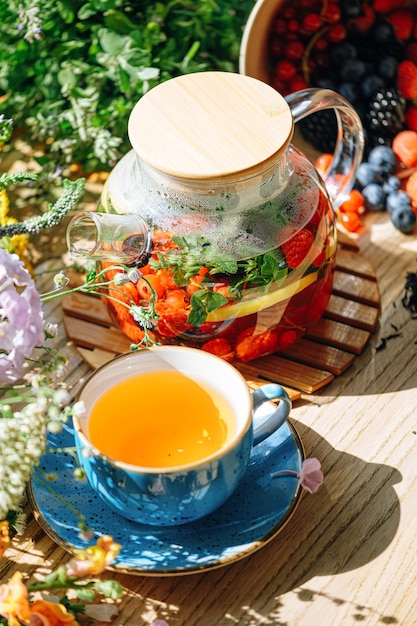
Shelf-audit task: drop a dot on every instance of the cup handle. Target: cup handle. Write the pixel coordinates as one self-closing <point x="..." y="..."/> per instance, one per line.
<point x="274" y="420"/>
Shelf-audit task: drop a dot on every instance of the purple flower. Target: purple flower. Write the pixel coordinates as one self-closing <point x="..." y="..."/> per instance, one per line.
<point x="311" y="476"/>
<point x="21" y="317"/>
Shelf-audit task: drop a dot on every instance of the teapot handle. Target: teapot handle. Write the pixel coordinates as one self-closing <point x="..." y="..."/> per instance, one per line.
<point x="340" y="176"/>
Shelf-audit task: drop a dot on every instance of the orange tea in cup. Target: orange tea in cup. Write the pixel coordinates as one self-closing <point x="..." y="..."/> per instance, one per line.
<point x="165" y="434"/>
<point x="160" y="419"/>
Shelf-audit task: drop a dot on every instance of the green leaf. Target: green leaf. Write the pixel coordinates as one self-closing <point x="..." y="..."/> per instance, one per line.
<point x="214" y="300"/>
<point x="67" y="79"/>
<point x="111" y="42"/>
<point x="119" y="22"/>
<point x="87" y="595"/>
<point x="124" y="79"/>
<point x="109" y="588"/>
<point x="198" y="313"/>
<point x="202" y="302"/>
<point x="85" y="11"/>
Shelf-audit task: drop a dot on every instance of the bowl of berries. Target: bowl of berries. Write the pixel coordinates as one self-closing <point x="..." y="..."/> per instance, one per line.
<point x="366" y="50"/>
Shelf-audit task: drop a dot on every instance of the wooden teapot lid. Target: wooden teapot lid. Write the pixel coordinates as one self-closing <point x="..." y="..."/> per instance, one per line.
<point x="211" y="126"/>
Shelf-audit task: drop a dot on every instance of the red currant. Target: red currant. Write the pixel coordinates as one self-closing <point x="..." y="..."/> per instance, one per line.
<point x="294" y="50"/>
<point x="336" y="33"/>
<point x="332" y="14"/>
<point x="297" y="83"/>
<point x="276" y="47"/>
<point x="289" y="12"/>
<point x="312" y="22"/>
<point x="285" y="70"/>
<point x="355" y="203"/>
<point x="350" y="221"/>
<point x="309" y="4"/>
<point x="321" y="60"/>
<point x="293" y="26"/>
<point x="321" y="44"/>
<point x="280" y="86"/>
<point x="280" y="27"/>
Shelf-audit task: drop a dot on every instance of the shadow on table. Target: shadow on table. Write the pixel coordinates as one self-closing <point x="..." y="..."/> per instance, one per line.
<point x="349" y="522"/>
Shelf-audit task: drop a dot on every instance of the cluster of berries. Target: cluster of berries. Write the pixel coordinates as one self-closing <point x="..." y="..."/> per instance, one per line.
<point x="364" y="49"/>
<point x="387" y="180"/>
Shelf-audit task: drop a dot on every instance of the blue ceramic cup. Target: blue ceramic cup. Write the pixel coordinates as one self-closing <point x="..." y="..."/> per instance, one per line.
<point x="168" y="496"/>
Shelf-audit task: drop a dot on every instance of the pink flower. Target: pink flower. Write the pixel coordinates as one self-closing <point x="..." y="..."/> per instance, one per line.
<point x="21" y="317"/>
<point x="311" y="476"/>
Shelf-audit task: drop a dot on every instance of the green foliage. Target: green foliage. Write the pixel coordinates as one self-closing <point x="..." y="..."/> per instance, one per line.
<point x="71" y="71"/>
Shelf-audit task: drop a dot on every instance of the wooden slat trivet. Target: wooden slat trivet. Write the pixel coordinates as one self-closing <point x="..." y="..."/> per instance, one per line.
<point x="327" y="350"/>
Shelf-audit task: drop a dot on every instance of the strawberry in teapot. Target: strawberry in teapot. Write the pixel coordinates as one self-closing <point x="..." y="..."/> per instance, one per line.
<point x="230" y="226"/>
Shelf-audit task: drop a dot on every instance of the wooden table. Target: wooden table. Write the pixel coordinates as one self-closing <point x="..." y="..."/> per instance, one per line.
<point x="349" y="552"/>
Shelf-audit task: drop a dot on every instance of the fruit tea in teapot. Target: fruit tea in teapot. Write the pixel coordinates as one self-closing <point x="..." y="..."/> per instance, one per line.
<point x="236" y="236"/>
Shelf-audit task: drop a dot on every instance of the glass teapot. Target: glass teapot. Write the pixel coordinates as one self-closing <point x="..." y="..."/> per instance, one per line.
<point x="230" y="226"/>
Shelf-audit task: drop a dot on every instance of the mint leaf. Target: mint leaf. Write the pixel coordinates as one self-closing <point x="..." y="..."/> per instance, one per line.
<point x="202" y="302"/>
<point x="198" y="313"/>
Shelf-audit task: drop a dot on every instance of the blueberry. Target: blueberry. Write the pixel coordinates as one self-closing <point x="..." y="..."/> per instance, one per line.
<point x="387" y="68"/>
<point x="374" y="197"/>
<point x="404" y="220"/>
<point x="392" y="184"/>
<point x="351" y="8"/>
<point x="383" y="159"/>
<point x="383" y="32"/>
<point x="371" y="84"/>
<point x="326" y="83"/>
<point x="398" y="200"/>
<point x="342" y="51"/>
<point x="367" y="174"/>
<point x="352" y="70"/>
<point x="350" y="91"/>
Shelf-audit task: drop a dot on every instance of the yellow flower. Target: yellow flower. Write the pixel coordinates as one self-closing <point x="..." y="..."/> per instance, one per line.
<point x="18" y="243"/>
<point x="4" y="536"/>
<point x="14" y="605"/>
<point x="4" y="207"/>
<point x="50" y="614"/>
<point x="95" y="559"/>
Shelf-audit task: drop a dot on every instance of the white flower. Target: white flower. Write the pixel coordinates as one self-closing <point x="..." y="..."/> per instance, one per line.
<point x="101" y="612"/>
<point x="79" y="410"/>
<point x="60" y="280"/>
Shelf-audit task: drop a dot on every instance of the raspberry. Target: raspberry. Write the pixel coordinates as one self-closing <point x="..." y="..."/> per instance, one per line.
<point x="402" y="22"/>
<point x="404" y="146"/>
<point x="297" y="248"/>
<point x="411" y="188"/>
<point x="411" y="117"/>
<point x="363" y="23"/>
<point x="220" y="347"/>
<point x="383" y="6"/>
<point x="411" y="52"/>
<point x="254" y="346"/>
<point x="407" y="79"/>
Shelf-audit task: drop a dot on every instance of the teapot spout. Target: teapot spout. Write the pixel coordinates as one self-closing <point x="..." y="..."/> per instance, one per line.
<point x="103" y="236"/>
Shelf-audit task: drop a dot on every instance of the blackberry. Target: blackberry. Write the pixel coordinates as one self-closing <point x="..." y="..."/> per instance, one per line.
<point x="320" y="130"/>
<point x="386" y="115"/>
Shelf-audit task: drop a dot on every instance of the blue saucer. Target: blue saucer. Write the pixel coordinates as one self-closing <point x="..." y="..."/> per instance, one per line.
<point x="254" y="514"/>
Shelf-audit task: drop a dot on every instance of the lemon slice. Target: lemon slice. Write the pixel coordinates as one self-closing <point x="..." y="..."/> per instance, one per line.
<point x="242" y="308"/>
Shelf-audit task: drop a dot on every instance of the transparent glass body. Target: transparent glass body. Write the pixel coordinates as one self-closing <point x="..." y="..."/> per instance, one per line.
<point x="242" y="267"/>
